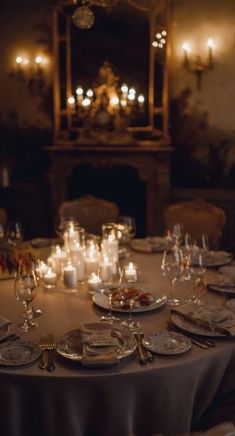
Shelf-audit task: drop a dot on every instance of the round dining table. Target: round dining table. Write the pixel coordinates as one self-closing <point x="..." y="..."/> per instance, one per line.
<point x="167" y="396"/>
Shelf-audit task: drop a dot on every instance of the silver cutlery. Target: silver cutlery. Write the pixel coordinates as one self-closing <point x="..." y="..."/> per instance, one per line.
<point x="51" y="345"/>
<point x="148" y="354"/>
<point x="141" y="356"/>
<point x="43" y="346"/>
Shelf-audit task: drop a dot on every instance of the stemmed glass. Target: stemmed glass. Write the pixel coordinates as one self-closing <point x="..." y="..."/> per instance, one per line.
<point x="25" y="287"/>
<point x="15" y="233"/>
<point x="177" y="231"/>
<point x="197" y="273"/>
<point x="130" y="323"/>
<point x="172" y="267"/>
<point x="109" y="291"/>
<point x="129" y="228"/>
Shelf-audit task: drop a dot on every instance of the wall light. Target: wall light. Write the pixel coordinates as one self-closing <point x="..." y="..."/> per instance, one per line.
<point x="197" y="66"/>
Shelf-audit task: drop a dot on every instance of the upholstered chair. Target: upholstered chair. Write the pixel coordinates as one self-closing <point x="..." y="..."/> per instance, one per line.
<point x="3" y="216"/>
<point x="91" y="212"/>
<point x="198" y="217"/>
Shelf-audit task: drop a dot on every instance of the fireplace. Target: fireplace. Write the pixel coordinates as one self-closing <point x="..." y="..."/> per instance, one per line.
<point x="136" y="177"/>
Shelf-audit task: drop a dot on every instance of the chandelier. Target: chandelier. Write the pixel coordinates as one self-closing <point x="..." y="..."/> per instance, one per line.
<point x="83" y="17"/>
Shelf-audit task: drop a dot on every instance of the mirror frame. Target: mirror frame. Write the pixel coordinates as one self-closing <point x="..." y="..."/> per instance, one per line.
<point x="63" y="123"/>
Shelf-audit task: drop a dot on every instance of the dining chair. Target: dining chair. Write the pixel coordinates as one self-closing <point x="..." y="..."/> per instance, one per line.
<point x="91" y="212"/>
<point x="198" y="217"/>
<point x="3" y="216"/>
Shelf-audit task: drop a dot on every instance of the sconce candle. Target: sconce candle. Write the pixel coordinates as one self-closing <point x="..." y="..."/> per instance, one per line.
<point x="186" y="50"/>
<point x="210" y="45"/>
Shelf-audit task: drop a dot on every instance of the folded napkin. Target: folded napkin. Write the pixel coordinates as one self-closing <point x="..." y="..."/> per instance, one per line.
<point x="99" y="361"/>
<point x="4" y="322"/>
<point x="212" y="319"/>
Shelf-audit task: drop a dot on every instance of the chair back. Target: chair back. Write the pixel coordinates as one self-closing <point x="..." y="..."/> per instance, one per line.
<point x="198" y="217"/>
<point x="3" y="216"/>
<point x="91" y="212"/>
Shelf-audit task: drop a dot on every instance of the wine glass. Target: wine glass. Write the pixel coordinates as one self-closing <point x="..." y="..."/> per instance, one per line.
<point x="25" y="288"/>
<point x="128" y="229"/>
<point x="172" y="267"/>
<point x="15" y="234"/>
<point x="196" y="273"/>
<point x="109" y="318"/>
<point x="177" y="231"/>
<point x="130" y="277"/>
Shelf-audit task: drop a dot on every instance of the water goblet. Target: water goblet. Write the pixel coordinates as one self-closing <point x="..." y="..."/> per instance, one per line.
<point x="172" y="266"/>
<point x="109" y="318"/>
<point x="130" y="296"/>
<point x="25" y="288"/>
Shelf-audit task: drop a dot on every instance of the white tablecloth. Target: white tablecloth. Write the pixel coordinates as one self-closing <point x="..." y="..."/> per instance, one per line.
<point x="168" y="396"/>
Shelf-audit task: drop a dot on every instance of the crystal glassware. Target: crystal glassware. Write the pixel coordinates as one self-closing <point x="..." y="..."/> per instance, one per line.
<point x="15" y="233"/>
<point x="25" y="288"/>
<point x="172" y="266"/>
<point x="196" y="273"/>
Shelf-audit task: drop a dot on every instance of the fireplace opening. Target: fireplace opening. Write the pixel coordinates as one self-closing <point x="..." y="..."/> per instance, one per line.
<point x="120" y="184"/>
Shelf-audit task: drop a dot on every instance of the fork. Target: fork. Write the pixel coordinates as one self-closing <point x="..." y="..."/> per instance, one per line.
<point x="51" y="346"/>
<point x="43" y="346"/>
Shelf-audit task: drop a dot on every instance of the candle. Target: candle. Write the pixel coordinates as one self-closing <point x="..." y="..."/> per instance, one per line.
<point x="186" y="50"/>
<point x="93" y="283"/>
<point x="70" y="276"/>
<point x="59" y="258"/>
<point x="77" y="259"/>
<point x="91" y="264"/>
<point x="110" y="246"/>
<point x="130" y="272"/>
<point x="105" y="269"/>
<point x="49" y="278"/>
<point x="70" y="236"/>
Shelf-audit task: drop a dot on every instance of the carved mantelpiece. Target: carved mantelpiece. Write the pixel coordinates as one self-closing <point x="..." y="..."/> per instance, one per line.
<point x="151" y="161"/>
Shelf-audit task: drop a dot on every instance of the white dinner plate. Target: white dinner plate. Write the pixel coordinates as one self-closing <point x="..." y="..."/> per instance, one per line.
<point x="41" y="242"/>
<point x="169" y="343"/>
<point x="153" y="244"/>
<point x="99" y="336"/>
<point x="216" y="259"/>
<point x="183" y="324"/>
<point x="19" y="353"/>
<point x="224" y="289"/>
<point x="228" y="270"/>
<point x="231" y="303"/>
<point x="101" y="300"/>
<point x="4" y="332"/>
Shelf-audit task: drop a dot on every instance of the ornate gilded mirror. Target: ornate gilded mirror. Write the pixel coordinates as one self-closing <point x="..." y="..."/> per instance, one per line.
<point x="110" y="70"/>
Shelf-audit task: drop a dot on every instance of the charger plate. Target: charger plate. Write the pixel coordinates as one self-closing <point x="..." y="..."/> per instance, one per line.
<point x="169" y="343"/>
<point x="70" y="344"/>
<point x="19" y="353"/>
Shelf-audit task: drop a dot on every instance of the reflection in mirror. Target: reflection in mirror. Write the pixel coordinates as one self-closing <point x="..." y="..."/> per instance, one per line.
<point x="110" y="74"/>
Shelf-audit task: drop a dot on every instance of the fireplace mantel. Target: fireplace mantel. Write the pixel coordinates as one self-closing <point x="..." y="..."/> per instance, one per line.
<point x="151" y="161"/>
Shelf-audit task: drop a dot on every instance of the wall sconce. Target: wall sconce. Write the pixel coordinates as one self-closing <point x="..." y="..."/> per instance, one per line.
<point x="30" y="71"/>
<point x="198" y="66"/>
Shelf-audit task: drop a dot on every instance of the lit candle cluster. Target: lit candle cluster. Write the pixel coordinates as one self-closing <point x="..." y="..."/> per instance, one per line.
<point x="81" y="260"/>
<point x="124" y="98"/>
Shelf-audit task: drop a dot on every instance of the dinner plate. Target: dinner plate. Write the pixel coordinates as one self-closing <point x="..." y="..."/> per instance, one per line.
<point x="223" y="289"/>
<point x="183" y="324"/>
<point x="216" y="259"/>
<point x="19" y="353"/>
<point x="101" y="300"/>
<point x="7" y="276"/>
<point x="231" y="303"/>
<point x="228" y="270"/>
<point x="100" y="336"/>
<point x="4" y="332"/>
<point x="41" y="242"/>
<point x="169" y="343"/>
<point x="154" y="244"/>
